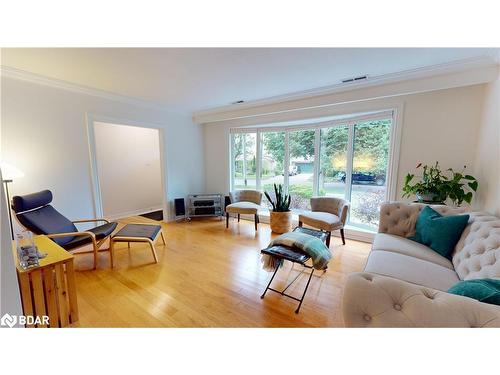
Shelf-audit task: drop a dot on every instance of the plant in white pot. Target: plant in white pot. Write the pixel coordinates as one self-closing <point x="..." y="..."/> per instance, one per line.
<point x="281" y="216"/>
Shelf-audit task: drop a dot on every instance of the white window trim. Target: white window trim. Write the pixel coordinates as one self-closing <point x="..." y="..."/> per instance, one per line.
<point x="231" y="163"/>
<point x="393" y="164"/>
<point x="375" y="115"/>
<point x="286" y="163"/>
<point x="349" y="165"/>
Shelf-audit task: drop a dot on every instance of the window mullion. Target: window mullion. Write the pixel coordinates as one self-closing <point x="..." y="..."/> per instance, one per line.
<point x="232" y="164"/>
<point x="244" y="163"/>
<point x="287" y="162"/>
<point x="349" y="164"/>
<point x="316" y="169"/>
<point x="258" y="161"/>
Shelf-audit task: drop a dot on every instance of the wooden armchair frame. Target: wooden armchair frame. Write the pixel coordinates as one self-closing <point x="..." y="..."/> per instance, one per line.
<point x="95" y="244"/>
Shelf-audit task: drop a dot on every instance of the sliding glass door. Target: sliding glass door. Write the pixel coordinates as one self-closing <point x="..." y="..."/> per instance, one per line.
<point x="345" y="159"/>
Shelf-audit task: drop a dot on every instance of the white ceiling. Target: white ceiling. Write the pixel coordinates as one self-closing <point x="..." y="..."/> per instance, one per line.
<point x="193" y="79"/>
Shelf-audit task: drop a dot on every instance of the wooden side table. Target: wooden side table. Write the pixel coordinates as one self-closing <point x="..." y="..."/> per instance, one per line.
<point x="50" y="289"/>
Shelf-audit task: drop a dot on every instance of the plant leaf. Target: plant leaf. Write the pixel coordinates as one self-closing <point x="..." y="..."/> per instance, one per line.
<point x="473" y="185"/>
<point x="468" y="197"/>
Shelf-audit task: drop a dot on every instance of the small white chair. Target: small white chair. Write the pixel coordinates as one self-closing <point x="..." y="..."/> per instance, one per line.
<point x="244" y="202"/>
<point x="327" y="214"/>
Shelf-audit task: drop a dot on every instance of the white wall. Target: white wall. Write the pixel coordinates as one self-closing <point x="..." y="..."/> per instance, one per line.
<point x="10" y="301"/>
<point x="129" y="170"/>
<point x="437" y="126"/>
<point x="44" y="134"/>
<point x="488" y="151"/>
<point x="441" y="126"/>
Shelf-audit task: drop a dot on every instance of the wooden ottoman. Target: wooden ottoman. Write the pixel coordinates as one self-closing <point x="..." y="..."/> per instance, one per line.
<point x="137" y="233"/>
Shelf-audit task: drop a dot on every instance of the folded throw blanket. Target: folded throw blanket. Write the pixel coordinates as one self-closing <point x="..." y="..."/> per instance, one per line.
<point x="310" y="245"/>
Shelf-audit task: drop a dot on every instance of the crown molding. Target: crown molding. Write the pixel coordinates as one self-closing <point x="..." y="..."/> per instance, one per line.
<point x="22" y="75"/>
<point x="454" y="74"/>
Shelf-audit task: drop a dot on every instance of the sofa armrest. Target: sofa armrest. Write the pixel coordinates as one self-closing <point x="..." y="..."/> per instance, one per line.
<point x="372" y="300"/>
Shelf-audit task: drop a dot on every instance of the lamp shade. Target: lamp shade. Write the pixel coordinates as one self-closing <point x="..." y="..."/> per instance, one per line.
<point x="9" y="172"/>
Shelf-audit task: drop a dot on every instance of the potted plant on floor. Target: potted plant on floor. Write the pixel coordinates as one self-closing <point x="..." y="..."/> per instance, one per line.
<point x="435" y="187"/>
<point x="281" y="216"/>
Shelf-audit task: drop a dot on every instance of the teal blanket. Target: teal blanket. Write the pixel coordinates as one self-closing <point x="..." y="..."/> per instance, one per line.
<point x="312" y="246"/>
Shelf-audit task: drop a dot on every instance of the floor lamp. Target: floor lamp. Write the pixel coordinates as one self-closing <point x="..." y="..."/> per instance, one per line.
<point x="9" y="173"/>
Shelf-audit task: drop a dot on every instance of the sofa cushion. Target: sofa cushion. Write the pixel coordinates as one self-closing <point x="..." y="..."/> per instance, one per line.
<point x="399" y="218"/>
<point x="401" y="245"/>
<point x="440" y="233"/>
<point x="411" y="269"/>
<point x="321" y="220"/>
<point x="243" y="208"/>
<point x="483" y="290"/>
<point x="477" y="254"/>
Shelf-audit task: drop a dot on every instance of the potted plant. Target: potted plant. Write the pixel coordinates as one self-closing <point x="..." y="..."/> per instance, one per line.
<point x="436" y="187"/>
<point x="281" y="216"/>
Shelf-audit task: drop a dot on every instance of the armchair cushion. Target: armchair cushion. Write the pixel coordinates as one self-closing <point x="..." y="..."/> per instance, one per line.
<point x="31" y="201"/>
<point x="243" y="208"/>
<point x="331" y="205"/>
<point x="321" y="220"/>
<point x="102" y="231"/>
<point x="47" y="220"/>
<point x="253" y="196"/>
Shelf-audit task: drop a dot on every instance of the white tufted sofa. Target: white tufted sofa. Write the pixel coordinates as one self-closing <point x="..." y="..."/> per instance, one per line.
<point x="404" y="283"/>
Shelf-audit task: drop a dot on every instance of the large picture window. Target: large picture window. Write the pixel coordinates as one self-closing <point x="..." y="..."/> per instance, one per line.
<point x="346" y="159"/>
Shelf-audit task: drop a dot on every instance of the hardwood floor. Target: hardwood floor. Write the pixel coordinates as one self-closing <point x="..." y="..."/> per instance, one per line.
<point x="208" y="276"/>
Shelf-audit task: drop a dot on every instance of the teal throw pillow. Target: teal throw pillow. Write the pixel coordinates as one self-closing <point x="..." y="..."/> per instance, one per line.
<point x="440" y="233"/>
<point x="484" y="290"/>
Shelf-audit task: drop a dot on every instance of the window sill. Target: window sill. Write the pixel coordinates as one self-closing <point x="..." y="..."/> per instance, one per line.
<point x="351" y="232"/>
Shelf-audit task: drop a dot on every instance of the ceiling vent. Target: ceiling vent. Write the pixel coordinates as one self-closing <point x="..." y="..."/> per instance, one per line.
<point x="355" y="79"/>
